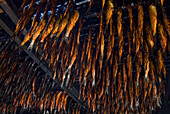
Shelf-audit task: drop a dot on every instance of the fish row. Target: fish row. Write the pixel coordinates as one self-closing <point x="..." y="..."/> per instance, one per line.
<point x="25" y="86"/>
<point x="48" y="25"/>
<point x="124" y="62"/>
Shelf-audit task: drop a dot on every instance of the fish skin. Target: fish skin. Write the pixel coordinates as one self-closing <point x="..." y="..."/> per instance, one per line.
<point x="37" y="15"/>
<point x="101" y="50"/>
<point x="149" y="36"/>
<point x="166" y="21"/>
<point x="130" y="14"/>
<point x="129" y="64"/>
<point x="93" y="71"/>
<point x="124" y="77"/>
<point x="79" y="31"/>
<point x="103" y="3"/>
<point x="26" y="19"/>
<point x="137" y="40"/>
<point x="162" y="36"/>
<point x="109" y="11"/>
<point x="62" y="24"/>
<point x="56" y="26"/>
<point x="153" y="18"/>
<point x="57" y="99"/>
<point x="160" y="62"/>
<point x="65" y="102"/>
<point x="120" y="33"/>
<point x="100" y="29"/>
<point x="29" y="35"/>
<point x="109" y="48"/>
<point x="119" y="24"/>
<point x="49" y="29"/>
<point x="115" y="68"/>
<point x="164" y="70"/>
<point x="140" y="23"/>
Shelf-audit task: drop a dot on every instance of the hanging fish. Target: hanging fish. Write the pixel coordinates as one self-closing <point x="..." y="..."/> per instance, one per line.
<point x="100" y="29"/>
<point x="153" y="18"/>
<point x="68" y="7"/>
<point x="160" y="62"/>
<point x="93" y="71"/>
<point x="120" y="33"/>
<point x="37" y="33"/>
<point x="115" y="68"/>
<point x="49" y="29"/>
<point x="22" y="22"/>
<point x="129" y="8"/>
<point x="72" y="21"/>
<point x="137" y="40"/>
<point x="124" y="77"/>
<point x="65" y="102"/>
<point x="162" y="36"/>
<point x="62" y="24"/>
<point x="103" y="3"/>
<point x="56" y="26"/>
<point x="90" y="4"/>
<point x="149" y="36"/>
<point x="26" y="20"/>
<point x="140" y="23"/>
<point x="165" y="21"/>
<point x="129" y="66"/>
<point x="109" y="48"/>
<point x="29" y="35"/>
<point x="119" y="24"/>
<point x="109" y="12"/>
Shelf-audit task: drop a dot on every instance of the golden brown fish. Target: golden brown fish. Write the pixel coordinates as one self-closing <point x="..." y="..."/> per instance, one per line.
<point x="140" y="23"/>
<point x="115" y="68"/>
<point x="57" y="98"/>
<point x="160" y="62"/>
<point x="100" y="29"/>
<point x="153" y="18"/>
<point x="26" y="19"/>
<point x="162" y="36"/>
<point x="56" y="26"/>
<point x="37" y="33"/>
<point x="65" y="102"/>
<point x="129" y="66"/>
<point x="93" y="71"/>
<point x="62" y="25"/>
<point x="101" y="51"/>
<point x="109" y="11"/>
<point x="72" y="21"/>
<point x="103" y="3"/>
<point x="166" y="21"/>
<point x="149" y="36"/>
<point x="164" y="70"/>
<point x="48" y="30"/>
<point x="137" y="40"/>
<point x="124" y="77"/>
<point x="130" y="17"/>
<point x="119" y="24"/>
<point x="109" y="48"/>
<point x="79" y="30"/>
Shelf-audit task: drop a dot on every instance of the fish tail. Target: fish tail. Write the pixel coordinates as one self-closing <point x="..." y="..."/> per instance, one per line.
<point x="31" y="45"/>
